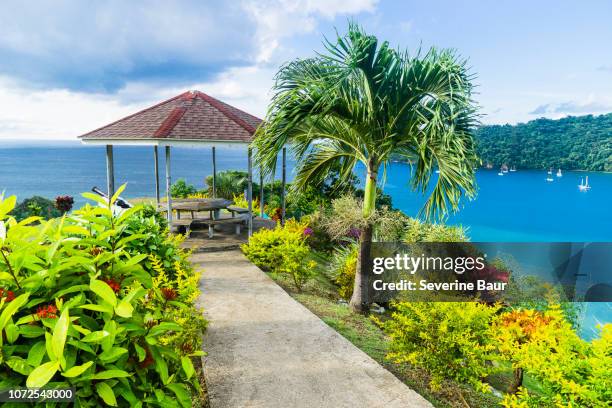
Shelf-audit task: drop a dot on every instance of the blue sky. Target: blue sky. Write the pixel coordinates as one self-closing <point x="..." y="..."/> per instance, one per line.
<point x="71" y="66"/>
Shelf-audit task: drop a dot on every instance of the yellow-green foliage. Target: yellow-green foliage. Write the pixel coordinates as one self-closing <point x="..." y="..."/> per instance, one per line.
<point x="573" y="372"/>
<point x="449" y="339"/>
<point x="281" y="250"/>
<point x="100" y="302"/>
<point x="344" y="267"/>
<point x="417" y="231"/>
<point x="241" y="201"/>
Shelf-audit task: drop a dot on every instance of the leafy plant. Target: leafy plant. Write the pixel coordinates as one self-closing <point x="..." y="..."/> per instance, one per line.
<point x="343" y="268"/>
<point x="180" y="189"/>
<point x="449" y="339"/>
<point x="241" y="201"/>
<point x="282" y="250"/>
<point x="228" y="183"/>
<point x="35" y="207"/>
<point x="86" y="312"/>
<point x="572" y="372"/>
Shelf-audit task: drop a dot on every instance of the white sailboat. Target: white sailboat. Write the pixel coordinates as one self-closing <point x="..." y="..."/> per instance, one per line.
<point x="559" y="174"/>
<point x="584" y="186"/>
<point x="513" y="169"/>
<point x="550" y="171"/>
<point x="501" y="172"/>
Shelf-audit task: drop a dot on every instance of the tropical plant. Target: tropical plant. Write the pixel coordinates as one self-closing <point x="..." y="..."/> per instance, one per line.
<point x="572" y="371"/>
<point x="35" y="207"/>
<point x="282" y="250"/>
<point x="180" y="189"/>
<point x="241" y="201"/>
<point x="81" y="309"/>
<point x="343" y="267"/>
<point x="449" y="339"/>
<point x="228" y="183"/>
<point x="363" y="101"/>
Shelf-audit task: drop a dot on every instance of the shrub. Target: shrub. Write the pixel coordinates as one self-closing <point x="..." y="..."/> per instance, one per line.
<point x="180" y="189"/>
<point x="417" y="231"/>
<point x="319" y="239"/>
<point x="449" y="339"/>
<point x="282" y="250"/>
<point x="241" y="201"/>
<point x="344" y="267"/>
<point x="228" y="183"/>
<point x="87" y="313"/>
<point x="572" y="372"/>
<point x="35" y="207"/>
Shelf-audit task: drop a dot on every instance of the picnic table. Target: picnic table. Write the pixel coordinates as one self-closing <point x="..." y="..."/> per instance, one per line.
<point x="195" y="205"/>
<point x="213" y="205"/>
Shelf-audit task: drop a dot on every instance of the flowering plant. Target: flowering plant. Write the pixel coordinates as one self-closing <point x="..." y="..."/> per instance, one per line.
<point x="79" y="309"/>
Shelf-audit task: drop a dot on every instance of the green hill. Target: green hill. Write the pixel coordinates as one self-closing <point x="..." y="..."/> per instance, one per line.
<point x="571" y="143"/>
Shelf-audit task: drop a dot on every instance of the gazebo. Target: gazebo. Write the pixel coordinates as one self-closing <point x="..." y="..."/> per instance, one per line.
<point x="191" y="119"/>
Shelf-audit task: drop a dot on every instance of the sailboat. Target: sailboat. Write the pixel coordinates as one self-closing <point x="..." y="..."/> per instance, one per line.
<point x="559" y="174"/>
<point x="584" y="186"/>
<point x="501" y="172"/>
<point x="513" y="169"/>
<point x="550" y="171"/>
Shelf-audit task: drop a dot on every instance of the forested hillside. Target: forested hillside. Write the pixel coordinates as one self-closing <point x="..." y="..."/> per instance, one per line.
<point x="572" y="143"/>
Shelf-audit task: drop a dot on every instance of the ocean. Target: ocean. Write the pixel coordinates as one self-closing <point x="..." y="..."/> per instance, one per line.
<point x="517" y="207"/>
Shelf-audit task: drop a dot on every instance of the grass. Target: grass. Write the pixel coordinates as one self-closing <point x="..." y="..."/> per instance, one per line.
<point x="319" y="295"/>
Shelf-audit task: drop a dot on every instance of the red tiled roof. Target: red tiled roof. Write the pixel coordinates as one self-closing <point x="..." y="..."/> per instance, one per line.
<point x="192" y="115"/>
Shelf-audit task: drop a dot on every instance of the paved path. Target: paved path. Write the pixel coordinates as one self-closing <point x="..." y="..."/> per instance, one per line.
<point x="267" y="350"/>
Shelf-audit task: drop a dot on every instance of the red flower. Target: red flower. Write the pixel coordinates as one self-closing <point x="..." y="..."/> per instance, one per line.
<point x="47" y="312"/>
<point x="10" y="295"/>
<point x="115" y="286"/>
<point x="169" y="293"/>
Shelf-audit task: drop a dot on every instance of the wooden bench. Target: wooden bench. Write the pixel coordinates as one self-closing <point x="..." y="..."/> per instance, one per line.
<point x="182" y="226"/>
<point x="237" y="210"/>
<point x="237" y="221"/>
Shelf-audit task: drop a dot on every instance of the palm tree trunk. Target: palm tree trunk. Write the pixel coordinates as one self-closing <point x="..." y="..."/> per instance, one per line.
<point x="362" y="299"/>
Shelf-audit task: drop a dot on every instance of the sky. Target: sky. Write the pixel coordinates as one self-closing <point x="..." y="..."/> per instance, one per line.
<point x="68" y="67"/>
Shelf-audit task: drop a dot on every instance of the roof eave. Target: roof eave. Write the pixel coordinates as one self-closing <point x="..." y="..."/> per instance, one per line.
<point x="163" y="142"/>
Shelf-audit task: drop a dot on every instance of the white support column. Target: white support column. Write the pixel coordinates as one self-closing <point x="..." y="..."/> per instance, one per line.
<point x="156" y="158"/>
<point x="214" y="165"/>
<point x="168" y="184"/>
<point x="250" y="191"/>
<point x="261" y="193"/>
<point x="110" y="171"/>
<point x="283" y="182"/>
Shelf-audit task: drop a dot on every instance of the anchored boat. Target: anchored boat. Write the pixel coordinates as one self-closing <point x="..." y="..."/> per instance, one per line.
<point x="584" y="186"/>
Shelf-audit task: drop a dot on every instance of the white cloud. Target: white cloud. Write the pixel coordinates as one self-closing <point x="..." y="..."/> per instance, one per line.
<point x="592" y="104"/>
<point x="65" y="114"/>
<point x="100" y="46"/>
<point x="278" y="19"/>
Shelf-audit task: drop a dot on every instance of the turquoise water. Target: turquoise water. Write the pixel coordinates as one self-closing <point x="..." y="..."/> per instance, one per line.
<point x="518" y="207"/>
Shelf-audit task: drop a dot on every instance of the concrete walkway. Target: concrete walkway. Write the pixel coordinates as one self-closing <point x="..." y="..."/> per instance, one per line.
<point x="267" y="350"/>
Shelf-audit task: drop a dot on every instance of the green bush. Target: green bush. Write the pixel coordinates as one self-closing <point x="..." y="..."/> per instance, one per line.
<point x="229" y="183"/>
<point x="449" y="339"/>
<point x="35" y="207"/>
<point x="572" y="372"/>
<point x="180" y="189"/>
<point x="81" y="309"/>
<point x="417" y="231"/>
<point x="343" y="268"/>
<point x="282" y="250"/>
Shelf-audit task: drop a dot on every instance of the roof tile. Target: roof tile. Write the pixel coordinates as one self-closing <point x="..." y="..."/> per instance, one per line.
<point x="192" y="115"/>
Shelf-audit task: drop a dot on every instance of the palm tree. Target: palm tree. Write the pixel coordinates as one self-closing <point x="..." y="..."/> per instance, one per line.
<point x="362" y="101"/>
<point x="228" y="183"/>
